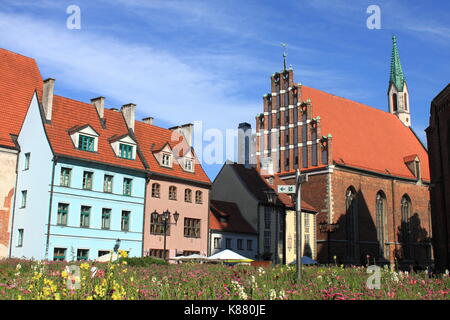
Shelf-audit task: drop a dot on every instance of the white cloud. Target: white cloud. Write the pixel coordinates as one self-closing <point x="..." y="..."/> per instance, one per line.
<point x="163" y="85"/>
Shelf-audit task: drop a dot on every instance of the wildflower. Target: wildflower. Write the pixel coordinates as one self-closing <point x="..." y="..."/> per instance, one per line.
<point x="57" y="296"/>
<point x="89" y="298"/>
<point x="84" y="266"/>
<point x="64" y="274"/>
<point x="123" y="254"/>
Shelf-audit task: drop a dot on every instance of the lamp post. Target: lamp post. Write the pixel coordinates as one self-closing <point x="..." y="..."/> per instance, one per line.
<point x="271" y="199"/>
<point x="166" y="222"/>
<point x="117" y="246"/>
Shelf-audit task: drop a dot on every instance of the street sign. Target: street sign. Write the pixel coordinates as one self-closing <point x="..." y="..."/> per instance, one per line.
<point x="286" y="189"/>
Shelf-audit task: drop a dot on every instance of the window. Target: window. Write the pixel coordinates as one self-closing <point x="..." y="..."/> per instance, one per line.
<point x="125" y="225"/>
<point x="166" y="160"/>
<point x="103" y="252"/>
<point x="380" y="221"/>
<point x="191" y="228"/>
<point x="86" y="143"/>
<point x="127" y="182"/>
<point x="267" y="217"/>
<point x="228" y="243"/>
<point x="351" y="221"/>
<point x="27" y="161"/>
<point x="156" y="190"/>
<point x="59" y="254"/>
<point x="108" y="183"/>
<point x="125" y="151"/>
<point x="158" y="253"/>
<point x="216" y="243"/>
<point x="304" y="140"/>
<point x="406" y="101"/>
<point x="85" y="216"/>
<point x="198" y="197"/>
<point x="240" y="244"/>
<point x="187" y="195"/>
<point x="267" y="238"/>
<point x="20" y="238"/>
<point x="324" y="152"/>
<point x="24" y="199"/>
<point x="189" y="165"/>
<point x="249" y="245"/>
<point x="87" y="180"/>
<point x="64" y="180"/>
<point x="394" y="101"/>
<point x="172" y="193"/>
<point x="63" y="210"/>
<point x="157" y="225"/>
<point x="82" y="254"/>
<point x="405" y="229"/>
<point x="106" y="219"/>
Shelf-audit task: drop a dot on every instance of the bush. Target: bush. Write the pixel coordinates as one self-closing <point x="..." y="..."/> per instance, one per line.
<point x="144" y="261"/>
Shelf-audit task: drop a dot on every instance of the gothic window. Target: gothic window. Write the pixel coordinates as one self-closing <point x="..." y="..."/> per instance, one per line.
<point x="351" y="221"/>
<point x="324" y="152"/>
<point x="381" y="223"/>
<point x="405" y="227"/>
<point x="406" y="101"/>
<point x="394" y="101"/>
<point x="304" y="141"/>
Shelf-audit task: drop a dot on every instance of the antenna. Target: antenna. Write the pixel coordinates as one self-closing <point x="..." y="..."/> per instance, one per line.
<point x="284" y="45"/>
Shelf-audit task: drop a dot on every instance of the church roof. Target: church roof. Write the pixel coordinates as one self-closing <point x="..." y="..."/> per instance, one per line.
<point x="366" y="137"/>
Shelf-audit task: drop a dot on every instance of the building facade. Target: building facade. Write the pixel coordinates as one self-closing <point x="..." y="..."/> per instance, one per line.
<point x="229" y="230"/>
<point x="368" y="171"/>
<point x="81" y="183"/>
<point x="438" y="135"/>
<point x="178" y="184"/>
<point x="16" y="91"/>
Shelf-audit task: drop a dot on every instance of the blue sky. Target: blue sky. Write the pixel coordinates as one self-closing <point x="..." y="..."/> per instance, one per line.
<point x="210" y="61"/>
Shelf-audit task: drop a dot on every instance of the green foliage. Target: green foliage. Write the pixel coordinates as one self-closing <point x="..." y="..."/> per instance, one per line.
<point x="144" y="261"/>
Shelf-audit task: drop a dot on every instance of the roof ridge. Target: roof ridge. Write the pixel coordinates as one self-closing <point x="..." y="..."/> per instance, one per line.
<point x="18" y="54"/>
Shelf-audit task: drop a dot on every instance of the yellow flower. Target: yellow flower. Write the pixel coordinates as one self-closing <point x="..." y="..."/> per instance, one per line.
<point x="84" y="266"/>
<point x="19" y="297"/>
<point x="57" y="296"/>
<point x="123" y="254"/>
<point x="90" y="298"/>
<point x="64" y="274"/>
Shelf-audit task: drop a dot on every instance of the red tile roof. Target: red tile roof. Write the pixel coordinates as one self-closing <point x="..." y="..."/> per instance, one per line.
<point x="256" y="184"/>
<point x="225" y="216"/>
<point x="68" y="114"/>
<point x="365" y="137"/>
<point x="152" y="139"/>
<point x="19" y="78"/>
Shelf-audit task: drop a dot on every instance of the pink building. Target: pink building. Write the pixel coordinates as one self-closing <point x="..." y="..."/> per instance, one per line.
<point x="177" y="183"/>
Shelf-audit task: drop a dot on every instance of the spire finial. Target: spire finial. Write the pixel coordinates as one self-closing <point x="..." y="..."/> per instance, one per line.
<point x="397" y="77"/>
<point x="284" y="45"/>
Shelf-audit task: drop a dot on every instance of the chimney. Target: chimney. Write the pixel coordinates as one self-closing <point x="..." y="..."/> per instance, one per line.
<point x="99" y="104"/>
<point x="244" y="143"/>
<point x="187" y="130"/>
<point x="47" y="98"/>
<point x="129" y="113"/>
<point x="148" y="120"/>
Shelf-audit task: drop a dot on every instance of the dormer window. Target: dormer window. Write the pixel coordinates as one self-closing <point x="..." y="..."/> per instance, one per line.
<point x="189" y="165"/>
<point x="125" y="151"/>
<point x="86" y="143"/>
<point x="166" y="160"/>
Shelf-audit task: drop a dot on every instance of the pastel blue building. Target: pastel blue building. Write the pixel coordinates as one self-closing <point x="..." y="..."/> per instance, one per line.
<point x="80" y="183"/>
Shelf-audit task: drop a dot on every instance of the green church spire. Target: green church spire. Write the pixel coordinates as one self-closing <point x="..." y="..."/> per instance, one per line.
<point x="397" y="76"/>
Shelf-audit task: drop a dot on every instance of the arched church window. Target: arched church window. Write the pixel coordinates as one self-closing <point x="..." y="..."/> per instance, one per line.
<point x="381" y="222"/>
<point x="394" y="101"/>
<point x="351" y="221"/>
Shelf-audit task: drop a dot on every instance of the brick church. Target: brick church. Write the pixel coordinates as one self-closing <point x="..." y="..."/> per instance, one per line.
<point x="368" y="172"/>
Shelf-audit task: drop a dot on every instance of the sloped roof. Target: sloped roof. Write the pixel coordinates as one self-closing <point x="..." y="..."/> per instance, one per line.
<point x="19" y="78"/>
<point x="256" y="184"/>
<point x="68" y="114"/>
<point x="233" y="219"/>
<point x="365" y="137"/>
<point x="152" y="139"/>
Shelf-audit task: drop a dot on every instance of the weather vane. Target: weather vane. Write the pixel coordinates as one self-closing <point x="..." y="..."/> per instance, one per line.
<point x="284" y="45"/>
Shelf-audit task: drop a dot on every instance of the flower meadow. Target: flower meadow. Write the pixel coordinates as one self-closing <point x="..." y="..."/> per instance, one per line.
<point x="30" y="280"/>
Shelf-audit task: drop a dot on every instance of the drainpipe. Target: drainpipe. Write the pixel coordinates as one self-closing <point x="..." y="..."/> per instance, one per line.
<point x="258" y="232"/>
<point x="393" y="220"/>
<point x="55" y="160"/>
<point x="147" y="183"/>
<point x="14" y="206"/>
